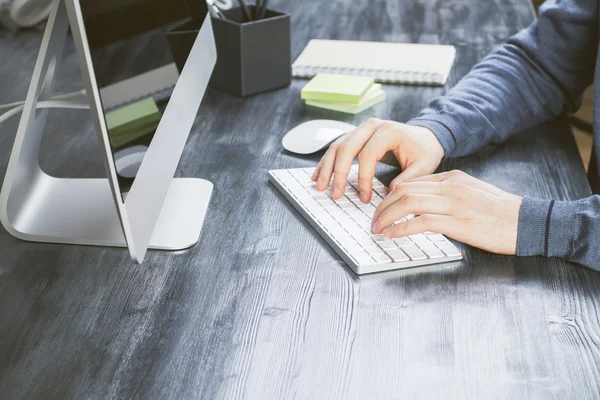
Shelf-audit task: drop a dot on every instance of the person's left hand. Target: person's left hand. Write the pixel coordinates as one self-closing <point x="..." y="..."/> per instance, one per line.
<point x="453" y="204"/>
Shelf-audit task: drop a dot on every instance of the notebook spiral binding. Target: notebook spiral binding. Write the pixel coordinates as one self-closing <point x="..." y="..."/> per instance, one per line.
<point x="382" y="76"/>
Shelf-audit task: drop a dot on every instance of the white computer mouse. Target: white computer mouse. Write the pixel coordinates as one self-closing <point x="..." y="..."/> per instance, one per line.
<point x="312" y="136"/>
<point x="129" y="160"/>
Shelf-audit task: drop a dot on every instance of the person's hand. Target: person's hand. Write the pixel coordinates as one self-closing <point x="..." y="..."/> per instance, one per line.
<point x="456" y="205"/>
<point x="416" y="148"/>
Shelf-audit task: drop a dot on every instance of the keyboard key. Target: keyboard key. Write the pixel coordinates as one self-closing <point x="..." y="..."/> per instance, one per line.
<point x="388" y="245"/>
<point x="328" y="205"/>
<point x="347" y="206"/>
<point x="363" y="258"/>
<point x="352" y="196"/>
<point x="426" y="245"/>
<point x="453" y="252"/>
<point x="403" y="241"/>
<point x="436" y="238"/>
<point x="444" y="245"/>
<point x="433" y="252"/>
<point x="398" y="255"/>
<point x="382" y="191"/>
<point x="368" y="214"/>
<point x="366" y="220"/>
<point x="312" y="189"/>
<point x="381" y="258"/>
<point x="376" y="200"/>
<point x="380" y="238"/>
<point x="341" y="200"/>
<point x="309" y="171"/>
<point x="348" y="243"/>
<point x="418" y="239"/>
<point x="372" y="250"/>
<point x="321" y="197"/>
<point x="366" y="243"/>
<point x="297" y="173"/>
<point x="414" y="253"/>
<point x="367" y="208"/>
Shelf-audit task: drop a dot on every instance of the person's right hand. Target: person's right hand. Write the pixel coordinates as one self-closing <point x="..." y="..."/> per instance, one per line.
<point x="416" y="148"/>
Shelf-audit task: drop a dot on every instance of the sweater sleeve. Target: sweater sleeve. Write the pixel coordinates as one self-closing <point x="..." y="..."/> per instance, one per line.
<point x="530" y="79"/>
<point x="565" y="229"/>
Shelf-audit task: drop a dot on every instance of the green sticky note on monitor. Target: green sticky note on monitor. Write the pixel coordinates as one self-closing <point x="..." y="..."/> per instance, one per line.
<point x="336" y="88"/>
<point x="133" y="117"/>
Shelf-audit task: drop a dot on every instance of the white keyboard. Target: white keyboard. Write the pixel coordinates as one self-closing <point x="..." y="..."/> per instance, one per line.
<point x="346" y="225"/>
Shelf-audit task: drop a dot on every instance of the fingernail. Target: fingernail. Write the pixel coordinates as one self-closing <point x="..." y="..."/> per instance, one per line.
<point x="320" y="182"/>
<point x="375" y="226"/>
<point x="388" y="232"/>
<point x="363" y="197"/>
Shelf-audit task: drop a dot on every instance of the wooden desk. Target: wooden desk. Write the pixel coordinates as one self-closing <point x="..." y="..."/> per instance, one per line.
<point x="262" y="307"/>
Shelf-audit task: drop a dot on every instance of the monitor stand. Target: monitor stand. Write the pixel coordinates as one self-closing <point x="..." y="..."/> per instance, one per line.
<point x="35" y="206"/>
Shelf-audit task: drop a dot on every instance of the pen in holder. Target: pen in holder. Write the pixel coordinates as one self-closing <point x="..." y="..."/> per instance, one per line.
<point x="252" y="56"/>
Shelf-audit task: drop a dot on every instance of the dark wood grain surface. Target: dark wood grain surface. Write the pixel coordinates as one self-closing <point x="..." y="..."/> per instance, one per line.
<point x="262" y="307"/>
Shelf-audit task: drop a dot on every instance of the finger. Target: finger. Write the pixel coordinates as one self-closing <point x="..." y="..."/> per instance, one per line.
<point x="403" y="189"/>
<point x="423" y="223"/>
<point x="379" y="144"/>
<point x="326" y="169"/>
<point x="347" y="151"/>
<point x="413" y="171"/>
<point x="412" y="204"/>
<point x="317" y="171"/>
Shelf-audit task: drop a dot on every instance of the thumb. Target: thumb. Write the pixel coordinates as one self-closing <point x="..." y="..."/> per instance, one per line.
<point x="413" y="171"/>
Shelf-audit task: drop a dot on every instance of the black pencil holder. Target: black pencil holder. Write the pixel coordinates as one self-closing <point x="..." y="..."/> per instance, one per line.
<point x="252" y="56"/>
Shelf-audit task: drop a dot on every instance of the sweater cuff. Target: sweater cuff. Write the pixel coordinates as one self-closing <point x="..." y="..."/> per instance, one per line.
<point x="443" y="127"/>
<point x="546" y="228"/>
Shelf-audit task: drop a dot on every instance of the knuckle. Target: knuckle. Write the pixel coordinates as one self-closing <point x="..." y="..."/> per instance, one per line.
<point x="409" y="199"/>
<point x="426" y="220"/>
<point x="342" y="146"/>
<point x="373" y="121"/>
<point x="452" y="186"/>
<point x="460" y="199"/>
<point x="399" y="189"/>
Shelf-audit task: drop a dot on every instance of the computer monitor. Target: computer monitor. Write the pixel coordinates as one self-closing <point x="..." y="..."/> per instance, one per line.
<point x="158" y="211"/>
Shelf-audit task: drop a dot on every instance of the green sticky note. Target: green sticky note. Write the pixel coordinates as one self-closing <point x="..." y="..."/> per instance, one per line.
<point x="131" y="135"/>
<point x="375" y="96"/>
<point x="337" y="88"/>
<point x="132" y="117"/>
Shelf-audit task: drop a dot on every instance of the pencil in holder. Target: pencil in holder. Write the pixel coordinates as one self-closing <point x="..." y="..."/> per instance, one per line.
<point x="252" y="56"/>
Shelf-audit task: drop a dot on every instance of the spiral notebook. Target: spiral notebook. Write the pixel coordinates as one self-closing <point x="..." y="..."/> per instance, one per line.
<point x="417" y="64"/>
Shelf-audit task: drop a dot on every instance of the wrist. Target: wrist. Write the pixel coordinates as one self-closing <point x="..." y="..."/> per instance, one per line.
<point x="432" y="144"/>
<point x="442" y="128"/>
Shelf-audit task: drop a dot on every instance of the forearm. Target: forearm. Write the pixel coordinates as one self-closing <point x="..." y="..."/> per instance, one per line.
<point x="533" y="77"/>
<point x="565" y="229"/>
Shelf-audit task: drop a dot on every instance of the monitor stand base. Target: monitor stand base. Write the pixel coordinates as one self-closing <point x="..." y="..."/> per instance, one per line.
<point x="82" y="211"/>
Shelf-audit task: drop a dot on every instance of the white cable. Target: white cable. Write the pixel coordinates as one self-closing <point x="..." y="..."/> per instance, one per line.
<point x="45" y="104"/>
<point x="67" y="96"/>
